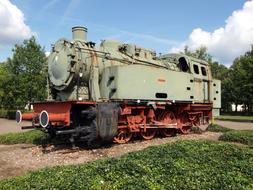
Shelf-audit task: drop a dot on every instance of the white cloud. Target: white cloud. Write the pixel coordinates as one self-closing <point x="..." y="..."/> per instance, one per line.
<point x="228" y="42"/>
<point x="12" y="26"/>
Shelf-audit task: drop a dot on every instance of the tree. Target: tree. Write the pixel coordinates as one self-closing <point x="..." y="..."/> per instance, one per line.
<point x="242" y="77"/>
<point x="200" y="53"/>
<point x="26" y="70"/>
<point x="3" y="79"/>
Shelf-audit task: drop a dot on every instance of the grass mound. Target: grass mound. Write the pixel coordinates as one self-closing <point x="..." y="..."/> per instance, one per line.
<point x="242" y="136"/>
<point x="217" y="128"/>
<point x="28" y="137"/>
<point x="179" y="165"/>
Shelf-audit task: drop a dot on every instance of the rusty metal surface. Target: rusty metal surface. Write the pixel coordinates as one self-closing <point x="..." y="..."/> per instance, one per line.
<point x="107" y="120"/>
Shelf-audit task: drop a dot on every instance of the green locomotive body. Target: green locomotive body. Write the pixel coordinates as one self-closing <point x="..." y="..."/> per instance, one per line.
<point x="114" y="90"/>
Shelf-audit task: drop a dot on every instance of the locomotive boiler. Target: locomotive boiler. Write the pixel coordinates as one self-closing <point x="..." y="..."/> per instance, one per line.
<point x="112" y="91"/>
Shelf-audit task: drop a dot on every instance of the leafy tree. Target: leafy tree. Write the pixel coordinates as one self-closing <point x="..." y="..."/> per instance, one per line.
<point x="242" y="77"/>
<point x="200" y="53"/>
<point x="26" y="81"/>
<point x="3" y="79"/>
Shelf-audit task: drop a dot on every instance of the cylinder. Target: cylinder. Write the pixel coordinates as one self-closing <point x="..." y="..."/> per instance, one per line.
<point x="45" y="118"/>
<point x="79" y="33"/>
<point x="26" y="116"/>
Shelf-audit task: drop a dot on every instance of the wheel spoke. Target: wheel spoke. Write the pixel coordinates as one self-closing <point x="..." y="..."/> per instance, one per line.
<point x="123" y="136"/>
<point x="185" y="124"/>
<point x="167" y="117"/>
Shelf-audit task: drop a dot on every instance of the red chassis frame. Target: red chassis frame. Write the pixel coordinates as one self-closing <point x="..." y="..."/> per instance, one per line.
<point x="165" y="117"/>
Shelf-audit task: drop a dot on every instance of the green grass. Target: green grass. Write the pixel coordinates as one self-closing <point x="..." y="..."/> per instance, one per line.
<point x="217" y="128"/>
<point x="235" y="118"/>
<point x="28" y="137"/>
<point x="179" y="165"/>
<point x="240" y="136"/>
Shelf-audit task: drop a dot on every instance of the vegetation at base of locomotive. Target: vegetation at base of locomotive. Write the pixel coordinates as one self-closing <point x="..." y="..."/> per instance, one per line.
<point x="179" y="165"/>
<point x="217" y="128"/>
<point x="23" y="77"/>
<point x="28" y="137"/>
<point x="236" y="118"/>
<point x="241" y="136"/>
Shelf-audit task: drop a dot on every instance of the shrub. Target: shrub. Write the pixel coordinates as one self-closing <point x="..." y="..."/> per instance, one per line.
<point x="29" y="137"/>
<point x="3" y="113"/>
<point x="241" y="136"/>
<point x="179" y="165"/>
<point x="8" y="114"/>
<point x="217" y="128"/>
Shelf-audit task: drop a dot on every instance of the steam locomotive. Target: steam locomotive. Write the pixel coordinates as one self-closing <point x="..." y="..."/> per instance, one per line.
<point x="115" y="90"/>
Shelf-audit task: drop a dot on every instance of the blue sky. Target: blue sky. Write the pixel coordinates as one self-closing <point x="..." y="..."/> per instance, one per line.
<point x="163" y="25"/>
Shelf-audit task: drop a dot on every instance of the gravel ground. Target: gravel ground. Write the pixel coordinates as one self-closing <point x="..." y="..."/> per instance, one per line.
<point x="18" y="159"/>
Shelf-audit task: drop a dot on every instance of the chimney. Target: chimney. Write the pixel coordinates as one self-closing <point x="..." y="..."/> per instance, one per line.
<point x="79" y="33"/>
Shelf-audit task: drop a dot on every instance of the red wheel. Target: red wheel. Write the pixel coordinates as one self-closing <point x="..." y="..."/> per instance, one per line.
<point x="123" y="136"/>
<point x="168" y="132"/>
<point x="149" y="134"/>
<point x="167" y="117"/>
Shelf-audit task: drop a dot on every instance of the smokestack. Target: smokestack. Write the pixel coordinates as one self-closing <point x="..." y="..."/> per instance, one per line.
<point x="79" y="33"/>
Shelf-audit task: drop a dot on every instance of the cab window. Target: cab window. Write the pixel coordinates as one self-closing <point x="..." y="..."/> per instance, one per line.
<point x="183" y="64"/>
<point x="196" y="69"/>
<point x="203" y="71"/>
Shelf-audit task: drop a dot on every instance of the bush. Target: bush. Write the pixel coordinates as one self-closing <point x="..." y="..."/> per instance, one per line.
<point x="8" y="114"/>
<point x="179" y="165"/>
<point x="242" y="136"/>
<point x="11" y="114"/>
<point x="217" y="128"/>
<point x="3" y="113"/>
<point x="28" y="137"/>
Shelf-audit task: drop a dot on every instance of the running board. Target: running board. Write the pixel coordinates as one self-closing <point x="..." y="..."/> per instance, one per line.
<point x="159" y="126"/>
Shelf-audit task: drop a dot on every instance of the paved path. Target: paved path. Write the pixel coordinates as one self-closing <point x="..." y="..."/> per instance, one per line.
<point x="9" y="126"/>
<point x="236" y="125"/>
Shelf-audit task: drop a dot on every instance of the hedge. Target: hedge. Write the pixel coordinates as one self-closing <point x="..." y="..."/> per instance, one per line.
<point x="240" y="136"/>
